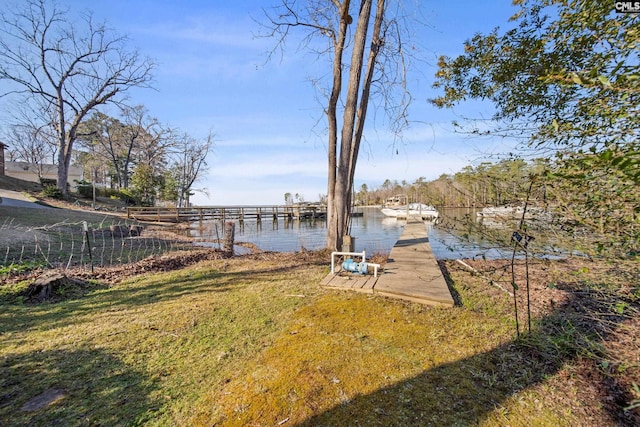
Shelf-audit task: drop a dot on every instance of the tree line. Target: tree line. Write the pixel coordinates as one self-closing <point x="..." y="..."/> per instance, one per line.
<point x="488" y="184"/>
<point x="61" y="72"/>
<point x="600" y="206"/>
<point x="133" y="156"/>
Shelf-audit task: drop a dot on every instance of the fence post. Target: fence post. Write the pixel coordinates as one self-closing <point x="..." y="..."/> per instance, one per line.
<point x="85" y="227"/>
<point x="229" y="237"/>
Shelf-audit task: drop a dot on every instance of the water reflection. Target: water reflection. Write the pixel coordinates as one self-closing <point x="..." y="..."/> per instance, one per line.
<point x="455" y="235"/>
<point x="460" y="234"/>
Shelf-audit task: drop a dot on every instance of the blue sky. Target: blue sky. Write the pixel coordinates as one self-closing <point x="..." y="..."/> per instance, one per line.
<point x="267" y="121"/>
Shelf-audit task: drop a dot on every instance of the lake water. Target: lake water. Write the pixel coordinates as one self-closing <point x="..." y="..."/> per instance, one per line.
<point x="373" y="232"/>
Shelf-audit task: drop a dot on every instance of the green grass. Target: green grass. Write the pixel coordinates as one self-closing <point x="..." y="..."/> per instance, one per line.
<point x="248" y="341"/>
<point x="146" y="349"/>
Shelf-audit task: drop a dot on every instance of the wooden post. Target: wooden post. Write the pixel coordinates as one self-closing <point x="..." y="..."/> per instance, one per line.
<point x="348" y="243"/>
<point x="229" y="237"/>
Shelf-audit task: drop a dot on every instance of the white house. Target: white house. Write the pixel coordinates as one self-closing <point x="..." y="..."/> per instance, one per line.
<point x="29" y="172"/>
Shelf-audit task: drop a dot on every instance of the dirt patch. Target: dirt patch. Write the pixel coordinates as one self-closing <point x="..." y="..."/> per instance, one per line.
<point x="115" y="274"/>
<point x="48" y="397"/>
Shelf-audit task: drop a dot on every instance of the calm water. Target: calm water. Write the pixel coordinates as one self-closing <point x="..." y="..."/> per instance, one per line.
<point x="373" y="232"/>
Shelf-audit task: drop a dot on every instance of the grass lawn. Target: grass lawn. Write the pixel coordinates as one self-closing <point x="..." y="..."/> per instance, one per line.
<point x="254" y="340"/>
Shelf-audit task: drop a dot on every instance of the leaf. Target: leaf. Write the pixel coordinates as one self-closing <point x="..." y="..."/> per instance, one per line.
<point x="604" y="81"/>
<point x="620" y="307"/>
<point x="575" y="78"/>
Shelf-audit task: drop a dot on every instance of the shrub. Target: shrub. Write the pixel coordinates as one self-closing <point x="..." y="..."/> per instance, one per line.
<point x="128" y="197"/>
<point x="48" y="182"/>
<point x="52" y="191"/>
<point x="110" y="192"/>
<point x="85" y="189"/>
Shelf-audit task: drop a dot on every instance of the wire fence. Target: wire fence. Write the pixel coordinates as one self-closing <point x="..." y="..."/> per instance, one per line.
<point x="78" y="244"/>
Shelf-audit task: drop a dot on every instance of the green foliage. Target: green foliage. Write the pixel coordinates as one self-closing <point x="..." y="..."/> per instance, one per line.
<point x="599" y="200"/>
<point x="636" y="402"/>
<point x="144" y="185"/>
<point x="566" y="75"/>
<point x="47" y="182"/>
<point x="127" y="196"/>
<point x="21" y="267"/>
<point x="169" y="187"/>
<point x="85" y="189"/>
<point x="52" y="191"/>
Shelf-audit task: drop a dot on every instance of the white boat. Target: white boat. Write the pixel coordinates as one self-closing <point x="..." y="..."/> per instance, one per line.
<point x="513" y="212"/>
<point x="500" y="211"/>
<point x="413" y="210"/>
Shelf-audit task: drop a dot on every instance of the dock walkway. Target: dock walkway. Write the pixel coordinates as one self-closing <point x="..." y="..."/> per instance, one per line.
<point x="226" y="213"/>
<point x="411" y="273"/>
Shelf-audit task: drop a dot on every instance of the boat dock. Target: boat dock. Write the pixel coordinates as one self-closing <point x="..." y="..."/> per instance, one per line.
<point x="411" y="273"/>
<point x="224" y="213"/>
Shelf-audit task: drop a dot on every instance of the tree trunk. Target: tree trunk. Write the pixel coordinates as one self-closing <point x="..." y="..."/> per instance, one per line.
<point x="334" y="238"/>
<point x="342" y="172"/>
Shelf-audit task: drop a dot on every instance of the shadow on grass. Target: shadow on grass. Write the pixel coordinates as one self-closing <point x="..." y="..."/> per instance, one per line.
<point x="22" y="317"/>
<point x="81" y="387"/>
<point x="457" y="298"/>
<point x="469" y="390"/>
<point x="91" y="386"/>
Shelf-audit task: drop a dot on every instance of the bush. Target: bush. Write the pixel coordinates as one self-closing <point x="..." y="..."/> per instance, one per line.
<point x="85" y="189"/>
<point x="110" y="192"/>
<point x="125" y="195"/>
<point x="47" y="182"/>
<point x="128" y="197"/>
<point x="52" y="191"/>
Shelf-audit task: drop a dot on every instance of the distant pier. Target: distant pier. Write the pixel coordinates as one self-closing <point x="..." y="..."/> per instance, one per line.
<point x="225" y="213"/>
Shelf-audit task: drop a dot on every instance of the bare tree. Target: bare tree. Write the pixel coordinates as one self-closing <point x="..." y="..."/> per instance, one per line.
<point x="372" y="36"/>
<point x="66" y="68"/>
<point x="190" y="161"/>
<point x="122" y="143"/>
<point x="32" y="144"/>
<point x="155" y="141"/>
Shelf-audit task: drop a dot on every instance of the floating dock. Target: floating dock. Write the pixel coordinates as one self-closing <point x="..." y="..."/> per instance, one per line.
<point x="411" y="272"/>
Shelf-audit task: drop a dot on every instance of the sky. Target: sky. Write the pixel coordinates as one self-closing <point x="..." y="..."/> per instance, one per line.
<point x="212" y="74"/>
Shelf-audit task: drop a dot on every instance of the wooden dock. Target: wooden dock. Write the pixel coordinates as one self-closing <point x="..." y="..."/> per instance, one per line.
<point x="225" y="213"/>
<point x="411" y="273"/>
